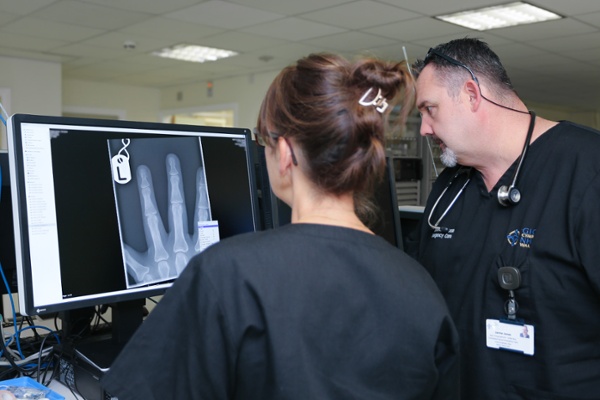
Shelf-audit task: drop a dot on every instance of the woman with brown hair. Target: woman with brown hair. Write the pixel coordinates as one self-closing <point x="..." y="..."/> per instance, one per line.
<point x="317" y="309"/>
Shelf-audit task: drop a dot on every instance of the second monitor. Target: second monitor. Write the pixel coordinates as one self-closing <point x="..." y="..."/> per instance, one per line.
<point x="276" y="213"/>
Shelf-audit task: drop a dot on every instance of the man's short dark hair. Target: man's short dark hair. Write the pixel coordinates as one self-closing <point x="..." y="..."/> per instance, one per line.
<point x="474" y="54"/>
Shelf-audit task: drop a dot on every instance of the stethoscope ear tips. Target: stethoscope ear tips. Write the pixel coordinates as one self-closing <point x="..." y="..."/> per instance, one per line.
<point x="508" y="196"/>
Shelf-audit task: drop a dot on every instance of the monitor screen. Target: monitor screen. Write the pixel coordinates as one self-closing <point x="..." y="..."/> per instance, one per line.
<point x="108" y="211"/>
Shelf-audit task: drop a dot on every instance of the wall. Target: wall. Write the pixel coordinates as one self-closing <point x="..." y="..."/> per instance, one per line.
<point x="136" y="103"/>
<point x="246" y="91"/>
<point x="35" y="86"/>
<point x="588" y="118"/>
<point x="144" y="104"/>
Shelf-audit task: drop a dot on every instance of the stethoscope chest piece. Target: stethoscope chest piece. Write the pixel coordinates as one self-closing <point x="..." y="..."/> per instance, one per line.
<point x="508" y="196"/>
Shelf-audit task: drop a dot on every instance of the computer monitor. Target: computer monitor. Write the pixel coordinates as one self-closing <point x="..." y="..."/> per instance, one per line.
<point x="109" y="212"/>
<point x="7" y="240"/>
<point x="410" y="219"/>
<point x="273" y="211"/>
<point x="387" y="225"/>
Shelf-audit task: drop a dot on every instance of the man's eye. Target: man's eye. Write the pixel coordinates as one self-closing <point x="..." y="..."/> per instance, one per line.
<point x="425" y="110"/>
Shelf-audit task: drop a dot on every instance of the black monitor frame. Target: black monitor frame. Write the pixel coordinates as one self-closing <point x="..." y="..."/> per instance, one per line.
<point x="25" y="194"/>
<point x="387" y="225"/>
<point x="7" y="240"/>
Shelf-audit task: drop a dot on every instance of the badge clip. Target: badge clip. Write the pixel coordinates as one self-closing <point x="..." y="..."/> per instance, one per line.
<point x="510" y="279"/>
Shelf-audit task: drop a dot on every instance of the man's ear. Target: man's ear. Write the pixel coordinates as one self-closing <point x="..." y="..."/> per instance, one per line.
<point x="473" y="92"/>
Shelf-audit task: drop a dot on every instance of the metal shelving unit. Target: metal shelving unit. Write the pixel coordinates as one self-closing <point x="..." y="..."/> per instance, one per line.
<point x="409" y="145"/>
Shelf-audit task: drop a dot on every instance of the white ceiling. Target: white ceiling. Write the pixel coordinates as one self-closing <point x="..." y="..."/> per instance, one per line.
<point x="554" y="62"/>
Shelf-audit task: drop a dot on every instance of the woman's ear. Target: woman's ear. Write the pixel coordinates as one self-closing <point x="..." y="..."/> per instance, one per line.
<point x="284" y="155"/>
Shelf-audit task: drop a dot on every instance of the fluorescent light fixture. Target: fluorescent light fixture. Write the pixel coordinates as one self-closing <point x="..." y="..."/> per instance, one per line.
<point x="517" y="13"/>
<point x="194" y="53"/>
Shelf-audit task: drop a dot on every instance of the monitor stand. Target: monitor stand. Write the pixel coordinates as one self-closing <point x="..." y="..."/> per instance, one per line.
<point x="101" y="350"/>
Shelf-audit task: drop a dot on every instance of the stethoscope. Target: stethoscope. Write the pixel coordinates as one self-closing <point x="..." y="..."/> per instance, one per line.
<point x="436" y="226"/>
<point x="507" y="195"/>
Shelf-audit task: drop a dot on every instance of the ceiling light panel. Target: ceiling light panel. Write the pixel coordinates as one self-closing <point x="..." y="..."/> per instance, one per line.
<point x="194" y="53"/>
<point x="512" y="14"/>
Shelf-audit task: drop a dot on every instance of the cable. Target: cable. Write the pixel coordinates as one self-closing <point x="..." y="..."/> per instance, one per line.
<point x="12" y="301"/>
<point x="40" y="377"/>
<point x="10" y="360"/>
<point x="8" y="291"/>
<point x="32" y="365"/>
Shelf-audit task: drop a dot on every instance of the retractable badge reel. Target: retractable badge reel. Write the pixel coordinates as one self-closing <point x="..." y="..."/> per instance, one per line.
<point x="510" y="333"/>
<point x="510" y="279"/>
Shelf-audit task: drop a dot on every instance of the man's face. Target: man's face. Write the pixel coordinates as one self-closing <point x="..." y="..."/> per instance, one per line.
<point x="440" y="115"/>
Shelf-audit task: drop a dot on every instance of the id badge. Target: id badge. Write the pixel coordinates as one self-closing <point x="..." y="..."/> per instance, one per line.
<point x="510" y="335"/>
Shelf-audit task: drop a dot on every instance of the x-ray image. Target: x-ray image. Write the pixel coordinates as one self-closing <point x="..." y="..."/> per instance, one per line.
<point x="162" y="204"/>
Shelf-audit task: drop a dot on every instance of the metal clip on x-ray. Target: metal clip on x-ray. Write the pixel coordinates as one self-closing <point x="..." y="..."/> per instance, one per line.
<point x="510" y="279"/>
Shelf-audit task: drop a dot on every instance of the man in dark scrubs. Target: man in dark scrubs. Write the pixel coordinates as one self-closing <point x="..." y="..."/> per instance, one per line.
<point x="511" y="231"/>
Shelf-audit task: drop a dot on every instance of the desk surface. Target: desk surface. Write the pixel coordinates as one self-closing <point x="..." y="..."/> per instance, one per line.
<point x="61" y="389"/>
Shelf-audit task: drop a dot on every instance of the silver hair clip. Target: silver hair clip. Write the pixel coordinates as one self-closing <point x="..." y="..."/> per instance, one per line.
<point x="379" y="101"/>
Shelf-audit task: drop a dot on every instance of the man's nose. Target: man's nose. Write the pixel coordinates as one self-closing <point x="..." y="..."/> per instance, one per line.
<point x="426" y="128"/>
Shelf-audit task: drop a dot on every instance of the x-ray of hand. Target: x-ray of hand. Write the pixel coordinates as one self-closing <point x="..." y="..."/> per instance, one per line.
<point x="169" y="250"/>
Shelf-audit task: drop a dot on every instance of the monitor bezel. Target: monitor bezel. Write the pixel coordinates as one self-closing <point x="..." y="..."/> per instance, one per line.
<point x="276" y="213"/>
<point x="19" y="203"/>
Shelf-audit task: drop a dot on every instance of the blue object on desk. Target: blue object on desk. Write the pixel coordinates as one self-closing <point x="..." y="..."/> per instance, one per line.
<point x="26" y="382"/>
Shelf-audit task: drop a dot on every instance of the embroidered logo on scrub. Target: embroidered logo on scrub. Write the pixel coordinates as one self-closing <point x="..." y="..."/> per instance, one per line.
<point x="439" y="233"/>
<point x="521" y="237"/>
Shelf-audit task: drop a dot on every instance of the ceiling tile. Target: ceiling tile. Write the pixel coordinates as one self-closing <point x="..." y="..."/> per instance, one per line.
<point x="240" y="41"/>
<point x="396" y="52"/>
<point x="116" y="41"/>
<point x="350" y="41"/>
<point x="569" y="7"/>
<point x="591" y="55"/>
<point x="273" y="33"/>
<point x="151" y="7"/>
<point x="293" y="51"/>
<point x="33" y="55"/>
<point x="89" y="15"/>
<point x="27" y="42"/>
<point x="561" y="44"/>
<point x="23" y="7"/>
<point x="225" y="15"/>
<point x="360" y="14"/>
<point x="517" y="52"/>
<point x="6" y="18"/>
<point x="54" y="30"/>
<point x="173" y="30"/>
<point x="294" y="29"/>
<point x="436" y="7"/>
<point x="544" y="30"/>
<point x="590" y="18"/>
<point x="83" y="50"/>
<point x="289" y="8"/>
<point x="416" y="29"/>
